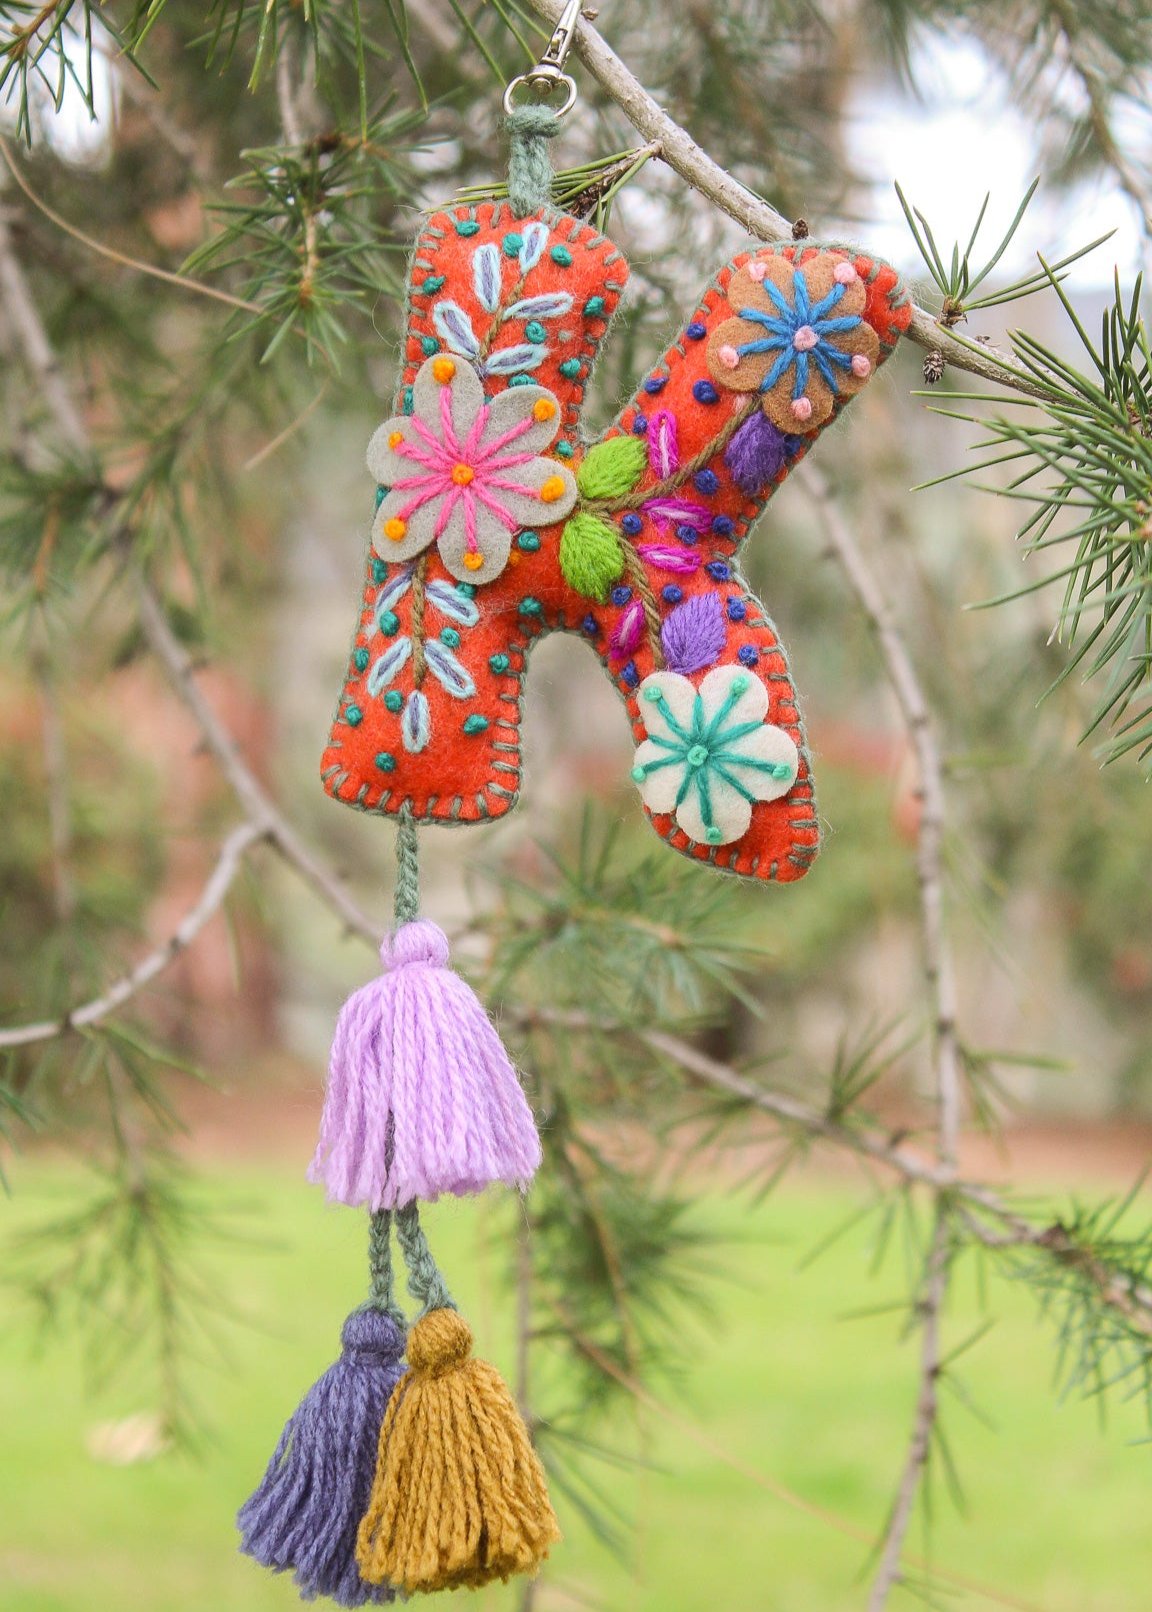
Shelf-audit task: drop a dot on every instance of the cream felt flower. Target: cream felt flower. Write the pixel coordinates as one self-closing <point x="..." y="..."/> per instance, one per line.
<point x="710" y="755"/>
<point x="799" y="338"/>
<point x="466" y="473"/>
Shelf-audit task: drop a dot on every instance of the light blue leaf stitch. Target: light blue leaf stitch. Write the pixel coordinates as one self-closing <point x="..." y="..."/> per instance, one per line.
<point x="392" y="591"/>
<point x="486" y="276"/>
<point x="455" y="327"/>
<point x="416" y="723"/>
<point x="514" y="360"/>
<point x="453" y="677"/>
<point x="452" y="604"/>
<point x="553" y="305"/>
<point x="535" y="238"/>
<point x="385" y="668"/>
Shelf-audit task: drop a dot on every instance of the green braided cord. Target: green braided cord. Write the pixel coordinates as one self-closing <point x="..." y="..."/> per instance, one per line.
<point x="407" y="869"/>
<point x="380" y="1295"/>
<point x="529" y="165"/>
<point x="425" y="1282"/>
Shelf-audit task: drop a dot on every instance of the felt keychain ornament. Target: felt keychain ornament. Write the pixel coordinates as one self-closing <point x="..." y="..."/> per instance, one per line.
<point x="496" y="522"/>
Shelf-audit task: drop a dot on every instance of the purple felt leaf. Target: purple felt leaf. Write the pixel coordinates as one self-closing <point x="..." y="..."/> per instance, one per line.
<point x="678" y="512"/>
<point x="680" y="562"/>
<point x="455" y="329"/>
<point x="486" y="276"/>
<point x="663" y="444"/>
<point x="694" y="634"/>
<point x="553" y="305"/>
<point x="756" y="454"/>
<point x="515" y="360"/>
<point x="628" y="631"/>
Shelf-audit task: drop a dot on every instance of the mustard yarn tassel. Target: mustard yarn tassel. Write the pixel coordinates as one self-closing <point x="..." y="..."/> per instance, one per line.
<point x="459" y="1496"/>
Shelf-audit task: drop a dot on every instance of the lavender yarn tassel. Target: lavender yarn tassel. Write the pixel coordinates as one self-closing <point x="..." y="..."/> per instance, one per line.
<point x="422" y="1098"/>
<point x="304" y="1515"/>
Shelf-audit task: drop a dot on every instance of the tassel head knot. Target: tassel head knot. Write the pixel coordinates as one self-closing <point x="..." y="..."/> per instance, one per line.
<point x="371" y="1338"/>
<point x="439" y="1342"/>
<point x="417" y="942"/>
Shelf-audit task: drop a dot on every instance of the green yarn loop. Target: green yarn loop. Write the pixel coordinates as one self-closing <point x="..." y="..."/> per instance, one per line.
<point x="380" y="1294"/>
<point x="407" y="899"/>
<point x="590" y="555"/>
<point x="529" y="165"/>
<point x="612" y="468"/>
<point x="425" y="1282"/>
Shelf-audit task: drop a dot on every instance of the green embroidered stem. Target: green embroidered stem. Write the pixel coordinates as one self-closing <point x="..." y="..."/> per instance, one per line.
<point x="529" y="165"/>
<point x="425" y="1282"/>
<point x="652" y="617"/>
<point x="380" y="1289"/>
<point x="419" y="663"/>
<point x="407" y="897"/>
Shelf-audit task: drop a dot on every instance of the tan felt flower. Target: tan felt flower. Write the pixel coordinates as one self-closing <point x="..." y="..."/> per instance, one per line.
<point x="799" y="337"/>
<point x="467" y="474"/>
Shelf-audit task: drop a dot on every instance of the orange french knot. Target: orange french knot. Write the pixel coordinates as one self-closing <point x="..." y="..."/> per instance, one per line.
<point x="462" y="474"/>
<point x="395" y="438"/>
<point x="473" y="561"/>
<point x="552" y="489"/>
<point x="395" y="528"/>
<point x="443" y="369"/>
<point x="543" y="408"/>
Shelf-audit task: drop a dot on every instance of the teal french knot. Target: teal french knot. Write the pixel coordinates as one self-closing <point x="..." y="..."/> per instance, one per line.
<point x="429" y="345"/>
<point x="499" y="663"/>
<point x="467" y="226"/>
<point x="562" y="256"/>
<point x="434" y="283"/>
<point x="531" y="607"/>
<point x="393" y="700"/>
<point x="475" y="723"/>
<point x="406" y="400"/>
<point x="466" y="590"/>
<point x="389" y="622"/>
<point x="379" y="569"/>
<point x="360" y="660"/>
<point x="385" y="762"/>
<point x="449" y="636"/>
<point x="528" y="541"/>
<point x="522" y="380"/>
<point x="594" y="307"/>
<point x="535" y="331"/>
<point x="565" y="450"/>
<point x="381" y="495"/>
<point x="570" y="368"/>
<point x="353" y="716"/>
<point x="512" y="243"/>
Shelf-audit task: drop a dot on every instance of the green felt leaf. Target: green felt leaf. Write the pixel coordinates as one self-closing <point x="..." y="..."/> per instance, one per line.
<point x="590" y="555"/>
<point x="612" y="468"/>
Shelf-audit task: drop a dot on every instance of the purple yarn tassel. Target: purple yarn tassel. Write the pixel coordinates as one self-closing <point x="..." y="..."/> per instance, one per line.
<point x="422" y="1098"/>
<point x="756" y="454"/>
<point x="304" y="1515"/>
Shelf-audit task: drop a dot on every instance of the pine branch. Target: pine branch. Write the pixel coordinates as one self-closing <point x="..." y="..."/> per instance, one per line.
<point x="757" y="216"/>
<point x="228" y="865"/>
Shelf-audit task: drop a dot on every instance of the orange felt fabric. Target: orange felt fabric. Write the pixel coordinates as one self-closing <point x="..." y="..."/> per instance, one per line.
<point x="469" y="774"/>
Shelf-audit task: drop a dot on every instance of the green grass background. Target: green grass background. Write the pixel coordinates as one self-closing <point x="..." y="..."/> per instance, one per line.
<point x="781" y="1378"/>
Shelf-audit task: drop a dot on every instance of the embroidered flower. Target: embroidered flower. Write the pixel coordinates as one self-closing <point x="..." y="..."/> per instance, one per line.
<point x="710" y="755"/>
<point x="467" y="474"/>
<point x="800" y="338"/>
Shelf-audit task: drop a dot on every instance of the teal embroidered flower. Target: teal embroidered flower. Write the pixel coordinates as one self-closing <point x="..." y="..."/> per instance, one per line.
<point x="710" y="756"/>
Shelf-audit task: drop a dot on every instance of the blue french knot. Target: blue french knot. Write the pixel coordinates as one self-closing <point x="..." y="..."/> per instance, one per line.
<point x="590" y="626"/>
<point x="630" y="676"/>
<point x="621" y="595"/>
<point x="723" y="525"/>
<point x="695" y="331"/>
<point x="672" y="594"/>
<point x="737" y="610"/>
<point x="705" y="392"/>
<point x="688" y="534"/>
<point x="706" y="482"/>
<point x="632" y="523"/>
<point x="747" y="654"/>
<point x="640" y="425"/>
<point x="655" y="383"/>
<point x="718" y="570"/>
